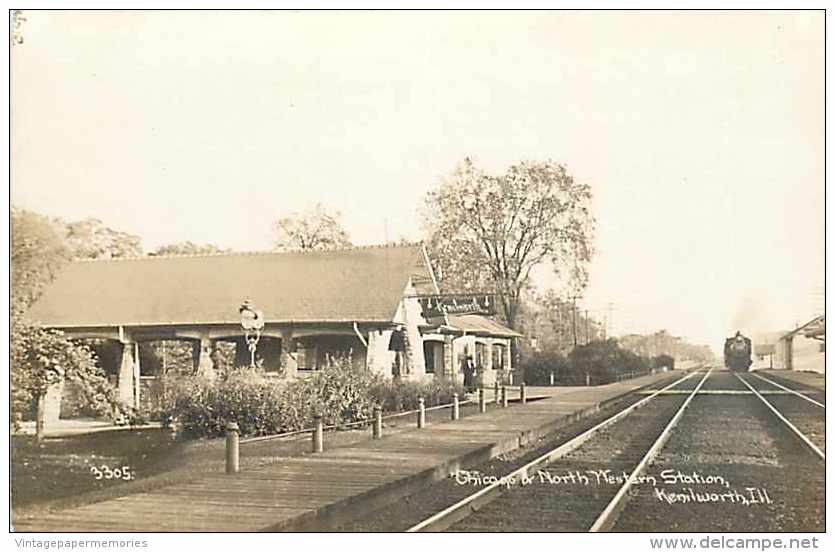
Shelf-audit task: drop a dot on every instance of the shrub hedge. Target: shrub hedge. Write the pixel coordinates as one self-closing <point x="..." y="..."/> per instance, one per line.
<point x="262" y="405"/>
<point x="396" y="396"/>
<point x="537" y="368"/>
<point x="603" y="361"/>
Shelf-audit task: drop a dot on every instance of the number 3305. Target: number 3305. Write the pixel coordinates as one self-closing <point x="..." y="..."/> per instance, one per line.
<point x="106" y="472"/>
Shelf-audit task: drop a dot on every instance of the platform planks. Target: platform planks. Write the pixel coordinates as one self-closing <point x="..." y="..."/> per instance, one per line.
<point x="301" y="492"/>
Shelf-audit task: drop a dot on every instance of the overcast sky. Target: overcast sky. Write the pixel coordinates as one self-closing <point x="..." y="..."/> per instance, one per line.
<point x="701" y="135"/>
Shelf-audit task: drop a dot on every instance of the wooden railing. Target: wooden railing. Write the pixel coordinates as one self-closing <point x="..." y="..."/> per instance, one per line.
<point x="233" y="440"/>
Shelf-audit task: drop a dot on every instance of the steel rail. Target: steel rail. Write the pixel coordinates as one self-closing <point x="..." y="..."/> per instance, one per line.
<point x="607" y="518"/>
<point x="793" y="391"/>
<point x="777" y="413"/>
<point x="463" y="508"/>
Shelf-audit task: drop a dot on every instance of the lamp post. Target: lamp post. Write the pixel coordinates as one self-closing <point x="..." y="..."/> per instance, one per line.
<point x="252" y="322"/>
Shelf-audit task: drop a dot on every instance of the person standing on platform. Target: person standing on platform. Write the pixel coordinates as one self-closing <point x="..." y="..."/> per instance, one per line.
<point x="469" y="373"/>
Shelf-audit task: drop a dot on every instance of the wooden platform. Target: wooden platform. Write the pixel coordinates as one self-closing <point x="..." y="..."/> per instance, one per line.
<point x="320" y="491"/>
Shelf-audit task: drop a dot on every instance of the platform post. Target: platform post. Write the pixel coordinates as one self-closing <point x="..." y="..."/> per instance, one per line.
<point x="377" y="428"/>
<point x="504" y="396"/>
<point x="482" y="403"/>
<point x="456" y="408"/>
<point x="318" y="438"/>
<point x="421" y="413"/>
<point x="496" y="391"/>
<point x="552" y="379"/>
<point x="523" y="395"/>
<point x="233" y="456"/>
<point x="588" y="379"/>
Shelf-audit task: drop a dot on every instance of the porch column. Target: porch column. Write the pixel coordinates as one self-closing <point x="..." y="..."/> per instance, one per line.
<point x="289" y="362"/>
<point x="377" y="356"/>
<point x="128" y="386"/>
<point x="449" y="368"/>
<point x="488" y="360"/>
<point x="52" y="402"/>
<point x="205" y="364"/>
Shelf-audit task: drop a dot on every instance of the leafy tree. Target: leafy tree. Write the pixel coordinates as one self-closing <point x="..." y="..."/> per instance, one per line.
<point x="664" y="361"/>
<point x="42" y="358"/>
<point x="538" y="367"/>
<point x="662" y="343"/>
<point x="604" y="360"/>
<point x="186" y="248"/>
<point x="91" y="239"/>
<point x="315" y="229"/>
<point x="38" y="252"/>
<point x="490" y="232"/>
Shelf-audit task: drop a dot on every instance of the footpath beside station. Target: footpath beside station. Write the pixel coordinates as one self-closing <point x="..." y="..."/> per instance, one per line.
<point x="323" y="490"/>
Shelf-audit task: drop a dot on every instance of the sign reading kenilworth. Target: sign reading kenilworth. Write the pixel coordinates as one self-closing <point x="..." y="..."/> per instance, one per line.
<point x="470" y="303"/>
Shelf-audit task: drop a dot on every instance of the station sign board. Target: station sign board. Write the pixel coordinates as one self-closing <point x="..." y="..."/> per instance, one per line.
<point x="469" y="303"/>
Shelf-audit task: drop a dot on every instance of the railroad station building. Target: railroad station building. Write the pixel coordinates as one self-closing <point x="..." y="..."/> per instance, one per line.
<point x="803" y="348"/>
<point x="378" y="307"/>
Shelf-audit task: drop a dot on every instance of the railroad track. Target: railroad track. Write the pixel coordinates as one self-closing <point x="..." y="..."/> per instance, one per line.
<point x="596" y="502"/>
<point x="802" y="415"/>
<point x="795" y="389"/>
<point x="760" y="444"/>
<point x="716" y="424"/>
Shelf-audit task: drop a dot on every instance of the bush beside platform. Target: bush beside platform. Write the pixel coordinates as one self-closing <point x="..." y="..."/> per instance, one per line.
<point x="262" y="405"/>
<point x="601" y="362"/>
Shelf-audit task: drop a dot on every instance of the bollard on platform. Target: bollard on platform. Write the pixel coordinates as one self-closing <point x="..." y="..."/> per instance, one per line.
<point x="456" y="408"/>
<point x="233" y="456"/>
<point x="482" y="403"/>
<point x="318" y="437"/>
<point x="552" y="379"/>
<point x="496" y="391"/>
<point x="523" y="395"/>
<point x="588" y="379"/>
<point x="504" y="396"/>
<point x="421" y="413"/>
<point x="377" y="428"/>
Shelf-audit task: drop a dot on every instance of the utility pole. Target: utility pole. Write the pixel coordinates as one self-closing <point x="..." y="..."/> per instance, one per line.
<point x="574" y="317"/>
<point x="587" y="327"/>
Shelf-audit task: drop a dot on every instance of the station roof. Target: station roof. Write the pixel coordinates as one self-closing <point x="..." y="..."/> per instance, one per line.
<point x="480" y="325"/>
<point x="472" y="324"/>
<point x="815" y="329"/>
<point x="362" y="284"/>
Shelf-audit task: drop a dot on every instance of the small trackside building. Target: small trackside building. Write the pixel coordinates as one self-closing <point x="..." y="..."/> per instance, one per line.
<point x="363" y="303"/>
<point x="803" y="348"/>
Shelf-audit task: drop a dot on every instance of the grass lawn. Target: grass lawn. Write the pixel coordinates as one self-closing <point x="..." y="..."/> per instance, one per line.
<point x="58" y="475"/>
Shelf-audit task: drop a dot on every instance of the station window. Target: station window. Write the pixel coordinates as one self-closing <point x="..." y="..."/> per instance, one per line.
<point x="429" y="356"/>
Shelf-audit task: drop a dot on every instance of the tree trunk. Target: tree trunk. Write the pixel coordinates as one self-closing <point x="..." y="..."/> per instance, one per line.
<point x="39" y="418"/>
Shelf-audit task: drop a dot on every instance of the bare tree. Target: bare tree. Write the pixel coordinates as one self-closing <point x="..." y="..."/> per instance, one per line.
<point x="316" y="228"/>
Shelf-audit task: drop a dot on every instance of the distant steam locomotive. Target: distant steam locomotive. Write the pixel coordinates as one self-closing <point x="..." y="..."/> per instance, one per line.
<point x="738" y="353"/>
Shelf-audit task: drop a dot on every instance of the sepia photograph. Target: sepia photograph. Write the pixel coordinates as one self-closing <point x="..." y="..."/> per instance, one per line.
<point x="399" y="271"/>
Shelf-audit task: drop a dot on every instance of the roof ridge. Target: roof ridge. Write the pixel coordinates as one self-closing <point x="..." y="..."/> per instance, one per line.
<point x="253" y="253"/>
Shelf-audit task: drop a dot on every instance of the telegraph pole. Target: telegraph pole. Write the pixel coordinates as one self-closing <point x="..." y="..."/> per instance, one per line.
<point x="574" y="317"/>
<point x="587" y="327"/>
